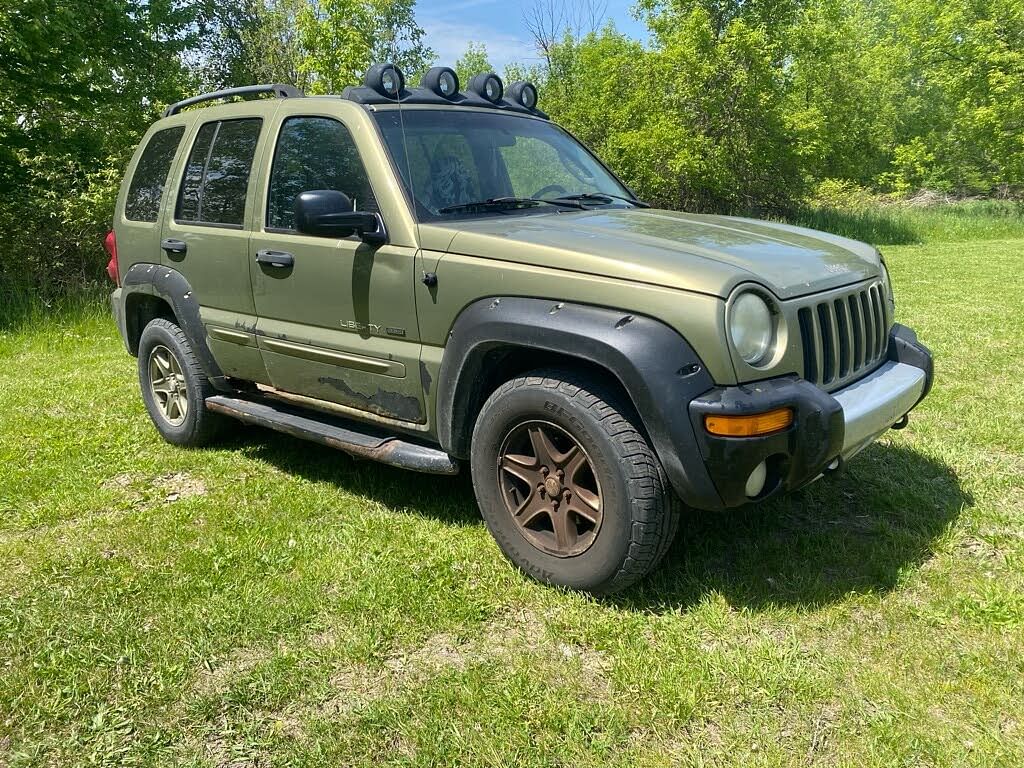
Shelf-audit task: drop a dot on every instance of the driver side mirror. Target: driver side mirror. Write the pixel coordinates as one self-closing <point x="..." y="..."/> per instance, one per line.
<point x="330" y="213"/>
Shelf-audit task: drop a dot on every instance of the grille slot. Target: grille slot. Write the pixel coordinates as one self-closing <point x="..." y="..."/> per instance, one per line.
<point x="842" y="337"/>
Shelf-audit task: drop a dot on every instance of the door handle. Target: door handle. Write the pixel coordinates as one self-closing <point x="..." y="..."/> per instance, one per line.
<point x="278" y="259"/>
<point x="173" y="246"/>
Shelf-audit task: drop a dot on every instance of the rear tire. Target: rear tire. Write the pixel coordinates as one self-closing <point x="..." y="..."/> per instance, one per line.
<point x="174" y="386"/>
<point x="615" y="515"/>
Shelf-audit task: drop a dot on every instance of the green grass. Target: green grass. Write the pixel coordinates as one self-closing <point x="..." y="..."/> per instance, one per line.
<point x="271" y="602"/>
<point x="903" y="224"/>
<point x="22" y="308"/>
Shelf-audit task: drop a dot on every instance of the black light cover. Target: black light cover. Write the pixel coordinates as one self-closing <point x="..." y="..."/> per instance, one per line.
<point x="524" y="94"/>
<point x="385" y="79"/>
<point x="488" y="86"/>
<point x="441" y="80"/>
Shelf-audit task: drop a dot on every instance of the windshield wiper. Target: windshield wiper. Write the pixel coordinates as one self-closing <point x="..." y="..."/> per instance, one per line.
<point x="509" y="203"/>
<point x="607" y="197"/>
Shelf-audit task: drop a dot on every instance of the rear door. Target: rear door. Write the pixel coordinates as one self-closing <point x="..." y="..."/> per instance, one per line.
<point x="206" y="238"/>
<point x="339" y="323"/>
<point x="137" y="227"/>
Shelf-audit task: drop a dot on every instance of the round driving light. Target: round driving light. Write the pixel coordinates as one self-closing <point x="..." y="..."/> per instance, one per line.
<point x="448" y="84"/>
<point x="385" y="79"/>
<point x="441" y="80"/>
<point x="756" y="481"/>
<point x="489" y="86"/>
<point x="750" y="327"/>
<point x="523" y="93"/>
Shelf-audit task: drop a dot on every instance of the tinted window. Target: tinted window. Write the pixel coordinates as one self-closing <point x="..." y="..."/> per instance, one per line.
<point x="147" y="187"/>
<point x="192" y="181"/>
<point x="315" y="153"/>
<point x="458" y="157"/>
<point x="217" y="173"/>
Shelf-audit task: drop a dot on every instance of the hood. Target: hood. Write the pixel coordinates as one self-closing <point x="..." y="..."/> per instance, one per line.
<point x="707" y="254"/>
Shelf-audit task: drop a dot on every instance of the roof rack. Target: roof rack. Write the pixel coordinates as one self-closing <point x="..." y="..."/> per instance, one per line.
<point x="280" y="90"/>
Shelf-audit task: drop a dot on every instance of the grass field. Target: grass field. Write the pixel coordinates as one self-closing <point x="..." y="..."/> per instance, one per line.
<point x="271" y="602"/>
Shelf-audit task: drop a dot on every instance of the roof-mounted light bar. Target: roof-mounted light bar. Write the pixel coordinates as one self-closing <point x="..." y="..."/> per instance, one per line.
<point x="385" y="84"/>
<point x="280" y="90"/>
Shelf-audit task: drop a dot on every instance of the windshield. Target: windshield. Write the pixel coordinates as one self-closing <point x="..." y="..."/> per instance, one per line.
<point x="460" y="160"/>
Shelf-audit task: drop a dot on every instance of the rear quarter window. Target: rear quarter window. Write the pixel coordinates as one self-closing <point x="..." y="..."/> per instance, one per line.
<point x="150" y="178"/>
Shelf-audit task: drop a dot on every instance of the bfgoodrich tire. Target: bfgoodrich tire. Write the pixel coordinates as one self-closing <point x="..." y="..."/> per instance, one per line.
<point x="568" y="485"/>
<point x="174" y="386"/>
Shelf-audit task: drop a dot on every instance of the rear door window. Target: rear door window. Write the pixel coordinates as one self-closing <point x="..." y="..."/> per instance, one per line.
<point x="216" y="178"/>
<point x="150" y="179"/>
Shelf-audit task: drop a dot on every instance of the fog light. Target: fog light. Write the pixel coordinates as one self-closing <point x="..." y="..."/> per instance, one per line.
<point x="756" y="481"/>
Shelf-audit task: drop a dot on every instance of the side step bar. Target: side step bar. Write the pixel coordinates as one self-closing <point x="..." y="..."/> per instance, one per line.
<point x="358" y="440"/>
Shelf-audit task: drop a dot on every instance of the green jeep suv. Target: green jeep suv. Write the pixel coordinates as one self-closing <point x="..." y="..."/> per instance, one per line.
<point x="439" y="276"/>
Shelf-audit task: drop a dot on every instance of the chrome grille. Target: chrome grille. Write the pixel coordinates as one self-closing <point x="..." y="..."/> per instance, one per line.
<point x="844" y="336"/>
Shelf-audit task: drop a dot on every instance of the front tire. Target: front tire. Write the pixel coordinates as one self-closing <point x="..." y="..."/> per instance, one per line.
<point x="568" y="485"/>
<point x="174" y="386"/>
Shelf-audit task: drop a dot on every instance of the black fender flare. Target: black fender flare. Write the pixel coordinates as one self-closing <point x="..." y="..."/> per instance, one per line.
<point x="171" y="286"/>
<point x="656" y="366"/>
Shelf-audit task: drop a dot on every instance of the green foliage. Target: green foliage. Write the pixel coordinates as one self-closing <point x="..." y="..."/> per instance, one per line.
<point x="79" y="82"/>
<point x="342" y="38"/>
<point x="472" y="62"/>
<point x="745" y="106"/>
<point x="734" y="106"/>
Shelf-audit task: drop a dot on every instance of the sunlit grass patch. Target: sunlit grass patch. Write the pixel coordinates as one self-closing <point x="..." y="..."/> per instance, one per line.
<point x="271" y="602"/>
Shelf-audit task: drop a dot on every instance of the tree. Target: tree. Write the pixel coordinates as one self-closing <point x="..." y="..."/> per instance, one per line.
<point x="79" y="82"/>
<point x="247" y="42"/>
<point x="472" y="62"/>
<point x="551" y="21"/>
<point x="342" y="38"/>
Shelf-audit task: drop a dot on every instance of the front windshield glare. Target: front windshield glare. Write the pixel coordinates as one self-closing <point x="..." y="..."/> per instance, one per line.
<point x="459" y="157"/>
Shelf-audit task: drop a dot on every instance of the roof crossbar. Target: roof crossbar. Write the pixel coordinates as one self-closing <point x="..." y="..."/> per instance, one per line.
<point x="280" y="90"/>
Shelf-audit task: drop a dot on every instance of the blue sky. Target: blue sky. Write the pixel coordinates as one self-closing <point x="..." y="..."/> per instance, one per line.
<point x="451" y="24"/>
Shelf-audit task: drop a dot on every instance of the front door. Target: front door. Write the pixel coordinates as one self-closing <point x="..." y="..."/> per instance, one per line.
<point x="337" y="318"/>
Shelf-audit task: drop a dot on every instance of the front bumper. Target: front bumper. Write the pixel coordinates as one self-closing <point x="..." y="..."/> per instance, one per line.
<point x="827" y="429"/>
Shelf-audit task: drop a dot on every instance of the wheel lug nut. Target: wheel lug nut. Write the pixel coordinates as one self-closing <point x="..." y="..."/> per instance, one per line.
<point x="544" y="470"/>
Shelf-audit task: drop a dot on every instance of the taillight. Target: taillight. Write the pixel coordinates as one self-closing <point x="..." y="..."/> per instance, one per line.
<point x="111" y="245"/>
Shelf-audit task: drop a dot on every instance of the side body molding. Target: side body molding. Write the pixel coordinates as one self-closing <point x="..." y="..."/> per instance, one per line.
<point x="171" y="286"/>
<point x="657" y="367"/>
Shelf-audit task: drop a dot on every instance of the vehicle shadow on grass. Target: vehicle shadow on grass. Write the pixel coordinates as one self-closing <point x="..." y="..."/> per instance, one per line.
<point x="447" y="499"/>
<point x="855" y="532"/>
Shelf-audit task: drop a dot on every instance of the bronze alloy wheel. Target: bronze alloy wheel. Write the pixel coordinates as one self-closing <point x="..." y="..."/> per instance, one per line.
<point x="549" y="488"/>
<point x="168" y="384"/>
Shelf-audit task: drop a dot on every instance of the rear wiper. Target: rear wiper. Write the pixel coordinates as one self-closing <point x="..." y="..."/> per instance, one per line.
<point x="605" y="196"/>
<point x="509" y="202"/>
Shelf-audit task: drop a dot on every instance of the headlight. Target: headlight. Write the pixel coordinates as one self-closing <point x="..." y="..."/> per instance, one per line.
<point x="751" y="327"/>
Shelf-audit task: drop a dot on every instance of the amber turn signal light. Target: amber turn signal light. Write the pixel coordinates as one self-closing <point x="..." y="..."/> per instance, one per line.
<point x="749" y="426"/>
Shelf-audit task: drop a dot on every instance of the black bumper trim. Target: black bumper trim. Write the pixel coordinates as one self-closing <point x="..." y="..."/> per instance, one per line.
<point x="798" y="454"/>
